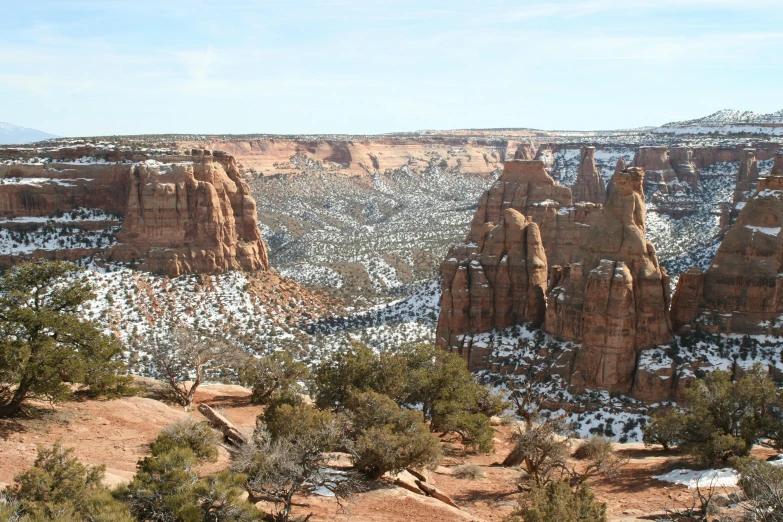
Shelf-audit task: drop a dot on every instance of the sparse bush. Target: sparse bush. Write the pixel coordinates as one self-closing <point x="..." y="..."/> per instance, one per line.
<point x="59" y="487"/>
<point x="275" y="373"/>
<point x="187" y="355"/>
<point x="762" y="484"/>
<point x="541" y="451"/>
<point x="388" y="438"/>
<point x="599" y="458"/>
<point x="188" y="433"/>
<point x="290" y="457"/>
<point x="468" y="472"/>
<point x="557" y="502"/>
<point x="721" y="418"/>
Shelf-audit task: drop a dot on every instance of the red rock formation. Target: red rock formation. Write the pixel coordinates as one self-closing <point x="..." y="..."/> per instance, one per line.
<point x="195" y="216"/>
<point x="527" y="187"/>
<point x="742" y="291"/>
<point x="495" y="283"/>
<point x="747" y="178"/>
<point x="589" y="186"/>
<point x="525" y="151"/>
<point x="615" y="299"/>
<point x="657" y="167"/>
<point x="777" y="167"/>
<point x="546" y="155"/>
<point x="43" y="189"/>
<point x="682" y="162"/>
<point x="182" y="213"/>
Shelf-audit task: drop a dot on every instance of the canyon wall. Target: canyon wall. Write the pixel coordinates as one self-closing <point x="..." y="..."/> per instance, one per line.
<point x="742" y="290"/>
<point x="180" y="213"/>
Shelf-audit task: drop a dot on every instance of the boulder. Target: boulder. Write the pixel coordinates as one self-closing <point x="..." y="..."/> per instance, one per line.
<point x="615" y="299"/>
<point x="588" y="186"/>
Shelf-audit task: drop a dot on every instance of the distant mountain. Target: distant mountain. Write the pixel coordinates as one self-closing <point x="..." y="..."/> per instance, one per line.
<point x="11" y="134"/>
<point x="728" y="121"/>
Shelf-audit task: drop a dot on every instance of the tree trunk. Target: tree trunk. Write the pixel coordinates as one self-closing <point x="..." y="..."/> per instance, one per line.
<point x="13" y="406"/>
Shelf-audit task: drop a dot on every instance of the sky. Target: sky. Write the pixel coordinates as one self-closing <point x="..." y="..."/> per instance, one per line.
<point x="86" y="68"/>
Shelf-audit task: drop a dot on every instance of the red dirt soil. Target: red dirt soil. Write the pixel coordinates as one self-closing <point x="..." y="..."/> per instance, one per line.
<point x="117" y="433"/>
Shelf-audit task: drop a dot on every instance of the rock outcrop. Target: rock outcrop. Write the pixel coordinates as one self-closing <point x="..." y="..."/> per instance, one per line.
<point x="179" y="213"/>
<point x="545" y="155"/>
<point x="681" y="159"/>
<point x="527" y="187"/>
<point x="777" y="166"/>
<point x="747" y="178"/>
<point x="494" y="283"/>
<point x="657" y="167"/>
<point x="615" y="298"/>
<point x="192" y="216"/>
<point x="589" y="186"/>
<point x="497" y="276"/>
<point x="742" y="290"/>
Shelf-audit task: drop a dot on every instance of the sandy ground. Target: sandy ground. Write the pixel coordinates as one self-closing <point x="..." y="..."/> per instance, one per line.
<point x="117" y="433"/>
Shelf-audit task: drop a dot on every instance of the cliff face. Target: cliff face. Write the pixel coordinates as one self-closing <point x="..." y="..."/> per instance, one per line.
<point x="589" y="186"/>
<point x="614" y="299"/>
<point x="682" y="162"/>
<point x="495" y="283"/>
<point x="195" y="216"/>
<point x="181" y="213"/>
<point x="657" y="167"/>
<point x="527" y="187"/>
<point x="747" y="178"/>
<point x="742" y="291"/>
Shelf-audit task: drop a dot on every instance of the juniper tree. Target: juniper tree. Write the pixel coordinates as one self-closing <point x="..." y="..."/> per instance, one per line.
<point x="46" y="344"/>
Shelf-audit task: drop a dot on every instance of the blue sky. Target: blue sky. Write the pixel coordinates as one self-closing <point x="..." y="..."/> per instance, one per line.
<point x="80" y="67"/>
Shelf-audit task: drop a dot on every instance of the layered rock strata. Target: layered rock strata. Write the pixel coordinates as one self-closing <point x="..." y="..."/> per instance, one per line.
<point x="681" y="159"/>
<point x="589" y="186"/>
<point x="180" y="212"/>
<point x="747" y="178"/>
<point x="192" y="216"/>
<point x="475" y="292"/>
<point x="495" y="283"/>
<point x="742" y="290"/>
<point x="657" y="167"/>
<point x="615" y="298"/>
<point x="527" y="187"/>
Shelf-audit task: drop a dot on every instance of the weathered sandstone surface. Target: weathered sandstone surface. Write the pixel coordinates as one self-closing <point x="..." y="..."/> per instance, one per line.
<point x="742" y="290"/>
<point x="527" y="187"/>
<point x="747" y="179"/>
<point x="589" y="186"/>
<point x="497" y="276"/>
<point x="180" y="213"/>
<point x="657" y="167"/>
<point x="495" y="283"/>
<point x="682" y="162"/>
<point x="615" y="298"/>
